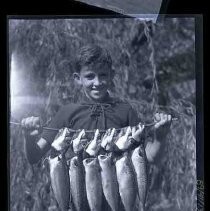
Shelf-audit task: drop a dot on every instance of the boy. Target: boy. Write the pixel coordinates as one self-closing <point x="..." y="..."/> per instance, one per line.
<point x="97" y="110"/>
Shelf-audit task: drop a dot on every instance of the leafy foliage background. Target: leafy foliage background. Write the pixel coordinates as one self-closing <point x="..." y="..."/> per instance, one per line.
<point x="154" y="72"/>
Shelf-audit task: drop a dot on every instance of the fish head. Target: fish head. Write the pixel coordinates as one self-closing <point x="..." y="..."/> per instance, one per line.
<point x="94" y="145"/>
<point x="121" y="160"/>
<point x="54" y="161"/>
<point x="59" y="142"/>
<point x="80" y="146"/>
<point x="91" y="163"/>
<point x="122" y="142"/>
<point x="104" y="159"/>
<point x="79" y="142"/>
<point x="74" y="162"/>
<point x="141" y="150"/>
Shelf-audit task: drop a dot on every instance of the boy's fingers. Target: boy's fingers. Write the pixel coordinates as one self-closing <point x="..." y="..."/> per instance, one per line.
<point x="23" y="122"/>
<point x="34" y="121"/>
<point x="157" y="117"/>
<point x="29" y="123"/>
<point x="165" y="117"/>
<point x="34" y="133"/>
<point x="169" y="117"/>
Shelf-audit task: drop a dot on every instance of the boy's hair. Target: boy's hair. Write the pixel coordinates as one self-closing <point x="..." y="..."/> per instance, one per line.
<point x="92" y="54"/>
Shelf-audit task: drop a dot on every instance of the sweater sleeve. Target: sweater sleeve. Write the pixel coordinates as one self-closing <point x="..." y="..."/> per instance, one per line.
<point x="133" y="118"/>
<point x="57" y="122"/>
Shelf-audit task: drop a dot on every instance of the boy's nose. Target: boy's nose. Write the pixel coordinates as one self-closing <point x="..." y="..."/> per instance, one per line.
<point x="97" y="81"/>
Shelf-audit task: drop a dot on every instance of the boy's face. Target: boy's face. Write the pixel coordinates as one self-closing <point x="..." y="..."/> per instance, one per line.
<point x="95" y="81"/>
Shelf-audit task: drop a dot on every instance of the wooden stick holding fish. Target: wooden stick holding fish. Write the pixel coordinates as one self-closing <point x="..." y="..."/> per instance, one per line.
<point x="88" y="131"/>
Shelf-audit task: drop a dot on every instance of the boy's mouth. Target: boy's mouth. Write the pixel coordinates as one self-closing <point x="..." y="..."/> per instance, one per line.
<point x="97" y="90"/>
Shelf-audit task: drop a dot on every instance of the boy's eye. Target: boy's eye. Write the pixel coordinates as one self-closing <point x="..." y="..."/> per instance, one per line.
<point x="103" y="75"/>
<point x="90" y="76"/>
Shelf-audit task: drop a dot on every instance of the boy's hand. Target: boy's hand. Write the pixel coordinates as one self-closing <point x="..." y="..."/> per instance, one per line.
<point x="163" y="122"/>
<point x="162" y="119"/>
<point x="32" y="125"/>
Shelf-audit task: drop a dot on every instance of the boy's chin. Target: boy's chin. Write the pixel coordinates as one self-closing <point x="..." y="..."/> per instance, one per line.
<point x="97" y="98"/>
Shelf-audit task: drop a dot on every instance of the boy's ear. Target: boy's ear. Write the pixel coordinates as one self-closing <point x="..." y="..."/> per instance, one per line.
<point x="76" y="77"/>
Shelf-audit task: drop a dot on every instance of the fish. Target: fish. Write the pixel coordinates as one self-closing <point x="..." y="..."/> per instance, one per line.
<point x="109" y="181"/>
<point x="140" y="167"/>
<point x="61" y="140"/>
<point x="137" y="132"/>
<point x="93" y="183"/>
<point x="79" y="142"/>
<point x="77" y="184"/>
<point x="122" y="142"/>
<point x="126" y="181"/>
<point x="94" y="145"/>
<point x="60" y="181"/>
<point x="107" y="141"/>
